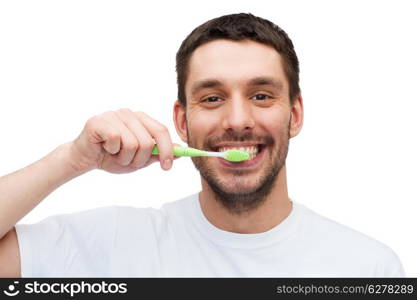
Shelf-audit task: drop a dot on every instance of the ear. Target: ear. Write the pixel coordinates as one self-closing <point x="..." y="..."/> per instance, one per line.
<point x="180" y="121"/>
<point x="297" y="116"/>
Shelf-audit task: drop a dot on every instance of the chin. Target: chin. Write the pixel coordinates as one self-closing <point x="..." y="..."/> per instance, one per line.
<point x="239" y="188"/>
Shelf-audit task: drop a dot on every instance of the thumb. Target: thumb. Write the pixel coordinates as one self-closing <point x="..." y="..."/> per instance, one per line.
<point x="155" y="157"/>
<point x="177" y="145"/>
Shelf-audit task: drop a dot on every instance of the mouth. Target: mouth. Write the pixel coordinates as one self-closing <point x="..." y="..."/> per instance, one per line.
<point x="255" y="151"/>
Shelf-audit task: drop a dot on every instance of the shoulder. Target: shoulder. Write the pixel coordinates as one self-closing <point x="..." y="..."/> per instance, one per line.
<point x="331" y="230"/>
<point x="87" y="219"/>
<point x="337" y="240"/>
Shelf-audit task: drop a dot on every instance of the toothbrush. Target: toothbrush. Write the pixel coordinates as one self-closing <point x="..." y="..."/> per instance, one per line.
<point x="233" y="155"/>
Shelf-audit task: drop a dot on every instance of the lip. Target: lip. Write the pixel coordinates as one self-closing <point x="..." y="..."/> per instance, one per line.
<point x="244" y="164"/>
<point x="237" y="145"/>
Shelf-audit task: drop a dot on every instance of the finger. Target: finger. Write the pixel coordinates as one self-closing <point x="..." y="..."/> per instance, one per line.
<point x="178" y="145"/>
<point x="154" y="158"/>
<point x="146" y="142"/>
<point x="101" y="131"/>
<point x="162" y="138"/>
<point x="129" y="143"/>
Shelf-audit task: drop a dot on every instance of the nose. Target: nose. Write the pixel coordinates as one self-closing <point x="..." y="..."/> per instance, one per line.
<point x="238" y="115"/>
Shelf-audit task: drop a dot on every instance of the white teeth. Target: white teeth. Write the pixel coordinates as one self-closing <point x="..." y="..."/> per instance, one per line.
<point x="252" y="150"/>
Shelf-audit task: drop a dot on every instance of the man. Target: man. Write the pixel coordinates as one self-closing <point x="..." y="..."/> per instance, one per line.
<point x="237" y="88"/>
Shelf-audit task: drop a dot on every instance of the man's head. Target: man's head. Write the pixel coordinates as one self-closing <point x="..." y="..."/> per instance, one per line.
<point x="238" y="87"/>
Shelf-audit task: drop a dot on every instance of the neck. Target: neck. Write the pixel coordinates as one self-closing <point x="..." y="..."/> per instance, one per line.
<point x="276" y="207"/>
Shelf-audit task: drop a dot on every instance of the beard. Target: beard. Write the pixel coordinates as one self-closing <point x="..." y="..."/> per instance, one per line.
<point x="239" y="194"/>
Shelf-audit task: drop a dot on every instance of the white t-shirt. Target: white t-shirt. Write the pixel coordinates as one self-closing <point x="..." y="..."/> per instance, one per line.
<point x="178" y="241"/>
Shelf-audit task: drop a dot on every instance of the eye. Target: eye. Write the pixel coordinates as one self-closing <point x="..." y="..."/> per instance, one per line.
<point x="260" y="97"/>
<point x="211" y="99"/>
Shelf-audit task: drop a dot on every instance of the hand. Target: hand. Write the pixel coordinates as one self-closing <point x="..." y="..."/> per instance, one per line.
<point x="121" y="142"/>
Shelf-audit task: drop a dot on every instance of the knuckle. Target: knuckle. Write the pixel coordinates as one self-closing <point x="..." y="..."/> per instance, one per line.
<point x="124" y="110"/>
<point x="113" y="135"/>
<point x="107" y="113"/>
<point x="139" y="113"/>
<point x="147" y="145"/>
<point x="131" y="146"/>
<point x="91" y="123"/>
<point x="161" y="129"/>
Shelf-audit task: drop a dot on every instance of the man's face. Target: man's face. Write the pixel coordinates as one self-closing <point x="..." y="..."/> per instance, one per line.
<point x="238" y="97"/>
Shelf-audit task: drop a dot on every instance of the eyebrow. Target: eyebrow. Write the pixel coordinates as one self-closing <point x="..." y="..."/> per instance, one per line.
<point x="205" y="84"/>
<point x="257" y="81"/>
<point x="269" y="81"/>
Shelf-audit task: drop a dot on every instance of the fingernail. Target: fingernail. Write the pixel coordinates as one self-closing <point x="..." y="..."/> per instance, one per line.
<point x="167" y="164"/>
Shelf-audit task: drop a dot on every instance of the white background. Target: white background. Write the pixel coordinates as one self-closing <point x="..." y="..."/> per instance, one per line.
<point x="62" y="62"/>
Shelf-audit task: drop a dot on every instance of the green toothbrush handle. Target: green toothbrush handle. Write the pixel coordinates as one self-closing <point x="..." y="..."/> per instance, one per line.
<point x="182" y="151"/>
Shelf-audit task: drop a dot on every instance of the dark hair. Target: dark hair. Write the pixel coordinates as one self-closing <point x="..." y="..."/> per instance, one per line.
<point x="239" y="27"/>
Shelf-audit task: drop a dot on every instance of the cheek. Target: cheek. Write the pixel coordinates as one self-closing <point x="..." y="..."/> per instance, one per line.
<point x="274" y="122"/>
<point x="202" y="124"/>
